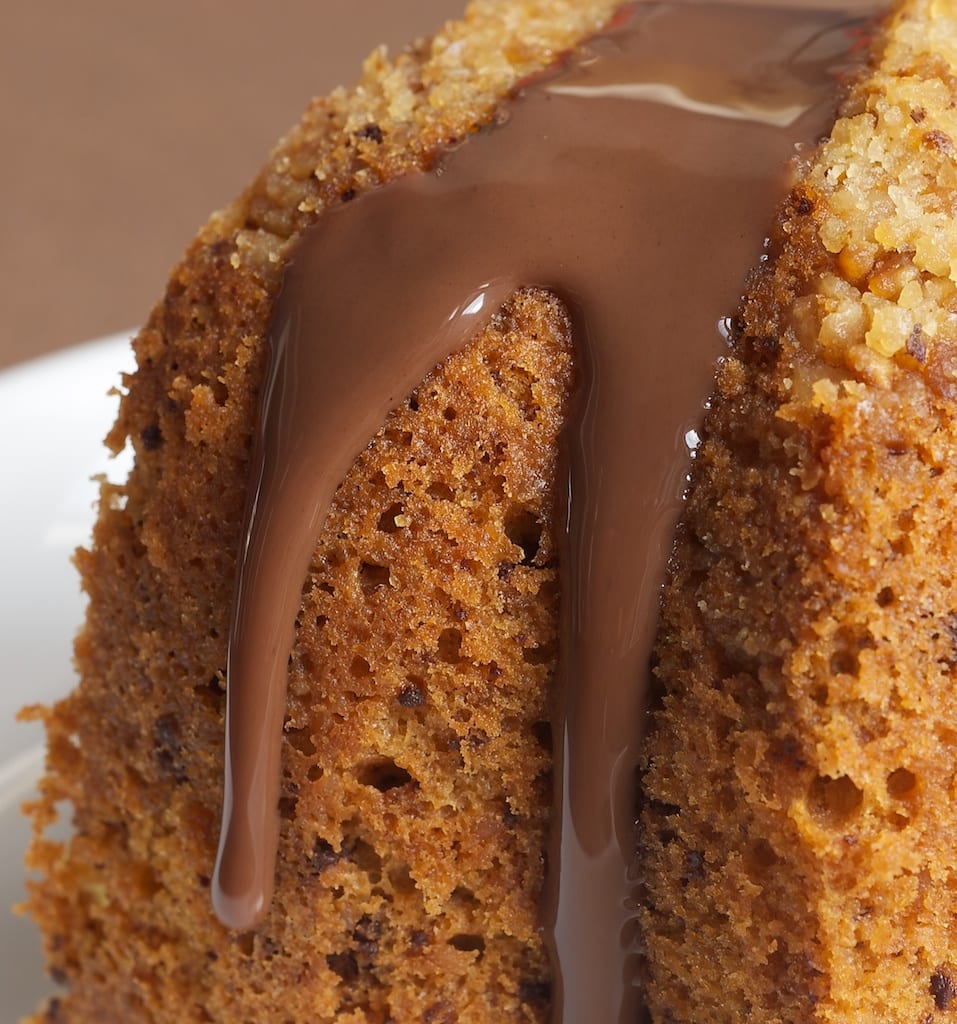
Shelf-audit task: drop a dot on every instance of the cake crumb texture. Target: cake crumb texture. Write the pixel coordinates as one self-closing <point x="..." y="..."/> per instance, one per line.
<point x="416" y="763"/>
<point x="798" y="813"/>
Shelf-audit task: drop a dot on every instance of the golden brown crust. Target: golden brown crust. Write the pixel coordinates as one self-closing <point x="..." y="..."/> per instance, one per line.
<point x="799" y="817"/>
<point x="415" y="786"/>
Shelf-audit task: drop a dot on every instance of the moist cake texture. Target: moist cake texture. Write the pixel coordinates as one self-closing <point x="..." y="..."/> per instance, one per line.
<point x="796" y="844"/>
<point x="799" y="809"/>
<point x="433" y="581"/>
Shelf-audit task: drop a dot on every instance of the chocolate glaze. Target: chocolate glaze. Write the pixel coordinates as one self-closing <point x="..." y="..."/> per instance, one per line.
<point x="636" y="183"/>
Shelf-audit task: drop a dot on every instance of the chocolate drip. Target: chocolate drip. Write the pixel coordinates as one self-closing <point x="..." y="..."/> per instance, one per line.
<point x="636" y="183"/>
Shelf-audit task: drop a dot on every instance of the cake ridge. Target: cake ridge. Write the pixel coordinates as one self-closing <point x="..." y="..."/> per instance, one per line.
<point x="815" y="706"/>
<point x="172" y="532"/>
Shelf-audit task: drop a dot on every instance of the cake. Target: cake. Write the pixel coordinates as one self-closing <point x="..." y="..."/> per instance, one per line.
<point x="418" y="745"/>
<point x="798" y="802"/>
<point x="137" y="749"/>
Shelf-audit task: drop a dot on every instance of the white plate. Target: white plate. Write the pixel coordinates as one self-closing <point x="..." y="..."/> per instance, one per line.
<point x="54" y="414"/>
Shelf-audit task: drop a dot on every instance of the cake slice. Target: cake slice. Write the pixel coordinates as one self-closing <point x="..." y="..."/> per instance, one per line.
<point x="799" y="813"/>
<point x="417" y="742"/>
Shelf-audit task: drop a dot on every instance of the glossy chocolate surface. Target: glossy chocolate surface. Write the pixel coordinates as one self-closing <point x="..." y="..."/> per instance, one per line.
<point x="637" y="183"/>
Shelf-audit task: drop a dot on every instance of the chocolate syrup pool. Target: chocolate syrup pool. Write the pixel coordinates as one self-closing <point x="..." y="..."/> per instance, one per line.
<point x="636" y="183"/>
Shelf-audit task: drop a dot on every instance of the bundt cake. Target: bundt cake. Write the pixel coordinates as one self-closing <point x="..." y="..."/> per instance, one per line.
<point x="386" y="861"/>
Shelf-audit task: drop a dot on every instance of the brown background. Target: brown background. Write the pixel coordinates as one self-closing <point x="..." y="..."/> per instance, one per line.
<point x="122" y="125"/>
